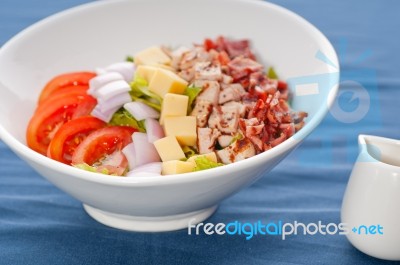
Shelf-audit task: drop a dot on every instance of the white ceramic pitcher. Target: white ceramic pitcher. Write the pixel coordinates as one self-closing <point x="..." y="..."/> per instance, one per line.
<point x="371" y="204"/>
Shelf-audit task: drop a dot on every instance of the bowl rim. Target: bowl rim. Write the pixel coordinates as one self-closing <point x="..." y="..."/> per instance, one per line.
<point x="23" y="150"/>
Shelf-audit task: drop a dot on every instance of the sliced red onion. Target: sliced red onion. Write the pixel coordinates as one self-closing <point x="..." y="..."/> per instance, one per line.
<point x="130" y="154"/>
<point x="154" y="167"/>
<point x="126" y="69"/>
<point x="101" y="80"/>
<point x="114" y="102"/>
<point x="141" y="111"/>
<point x="112" y="89"/>
<point x="104" y="116"/>
<point x="154" y="130"/>
<point x="147" y="151"/>
<point x="100" y="71"/>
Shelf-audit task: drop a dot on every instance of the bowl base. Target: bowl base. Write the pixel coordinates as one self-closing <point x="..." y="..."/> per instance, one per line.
<point x="149" y="224"/>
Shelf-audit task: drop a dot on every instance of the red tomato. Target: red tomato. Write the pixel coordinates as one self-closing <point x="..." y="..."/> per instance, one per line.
<point x="51" y="115"/>
<point x="66" y="92"/>
<point x="70" y="135"/>
<point x="66" y="80"/>
<point x="102" y="149"/>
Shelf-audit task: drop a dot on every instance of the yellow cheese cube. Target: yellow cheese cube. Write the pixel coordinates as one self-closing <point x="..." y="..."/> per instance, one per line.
<point x="183" y="128"/>
<point x="211" y="156"/>
<point x="165" y="81"/>
<point x="152" y="55"/>
<point x="146" y="72"/>
<point x="163" y="66"/>
<point x="176" y="167"/>
<point x="169" y="149"/>
<point x="173" y="105"/>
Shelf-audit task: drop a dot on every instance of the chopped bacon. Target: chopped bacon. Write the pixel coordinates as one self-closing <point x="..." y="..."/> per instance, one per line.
<point x="223" y="58"/>
<point x="299" y="116"/>
<point x="240" y="47"/>
<point x="278" y="140"/>
<point x="241" y="67"/>
<point x="257" y="142"/>
<point x="237" y="97"/>
<point x="298" y="126"/>
<point x="209" y="44"/>
<point x="234" y="48"/>
<point x="220" y="44"/>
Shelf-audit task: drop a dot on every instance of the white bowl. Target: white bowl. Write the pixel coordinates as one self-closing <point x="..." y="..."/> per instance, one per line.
<point x="100" y="33"/>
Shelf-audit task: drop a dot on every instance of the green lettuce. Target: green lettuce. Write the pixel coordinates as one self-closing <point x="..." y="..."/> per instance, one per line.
<point x="129" y="58"/>
<point x="140" y="92"/>
<point x="192" y="93"/>
<point x="203" y="163"/>
<point x="189" y="151"/>
<point x="272" y="74"/>
<point x="86" y="167"/>
<point x="123" y="118"/>
<point x="237" y="136"/>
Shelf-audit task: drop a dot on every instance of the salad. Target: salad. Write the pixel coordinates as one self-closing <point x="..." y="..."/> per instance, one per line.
<point x="165" y="111"/>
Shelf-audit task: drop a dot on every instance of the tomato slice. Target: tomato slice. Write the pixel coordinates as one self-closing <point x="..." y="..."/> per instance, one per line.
<point x="51" y="115"/>
<point x="66" y="80"/>
<point x="70" y="135"/>
<point x="102" y="149"/>
<point x="66" y="92"/>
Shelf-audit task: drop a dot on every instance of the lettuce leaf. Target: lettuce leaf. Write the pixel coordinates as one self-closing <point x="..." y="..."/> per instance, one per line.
<point x="203" y="163"/>
<point x="140" y="92"/>
<point x="86" y="167"/>
<point x="192" y="93"/>
<point x="189" y="151"/>
<point x="237" y="136"/>
<point x="129" y="58"/>
<point x="123" y="118"/>
<point x="272" y="74"/>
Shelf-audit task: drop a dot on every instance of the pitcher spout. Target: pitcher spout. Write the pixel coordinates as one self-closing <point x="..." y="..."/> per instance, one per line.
<point x="379" y="149"/>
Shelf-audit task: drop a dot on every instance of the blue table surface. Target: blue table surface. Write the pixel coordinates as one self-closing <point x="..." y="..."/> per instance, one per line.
<point x="40" y="224"/>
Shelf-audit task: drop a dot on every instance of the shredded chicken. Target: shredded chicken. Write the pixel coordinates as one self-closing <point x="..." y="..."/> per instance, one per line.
<point x="239" y="150"/>
<point x="210" y="91"/>
<point x="206" y="139"/>
<point x="202" y="111"/>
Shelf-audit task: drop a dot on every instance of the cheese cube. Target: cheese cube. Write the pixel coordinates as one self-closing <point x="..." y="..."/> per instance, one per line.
<point x="176" y="167"/>
<point x="165" y="81"/>
<point x="163" y="66"/>
<point x="152" y="55"/>
<point x="146" y="72"/>
<point x="211" y="156"/>
<point x="173" y="105"/>
<point x="169" y="149"/>
<point x="183" y="128"/>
